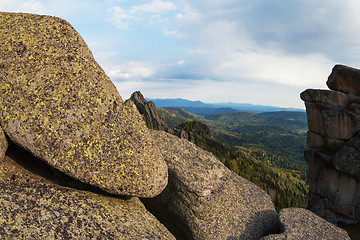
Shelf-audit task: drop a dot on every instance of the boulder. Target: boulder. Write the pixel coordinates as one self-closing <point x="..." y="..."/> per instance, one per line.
<point x="347" y="160"/>
<point x="335" y="98"/>
<point x="57" y="102"/>
<point x="299" y="223"/>
<point x="34" y="206"/>
<point x="205" y="200"/>
<point x="344" y="79"/>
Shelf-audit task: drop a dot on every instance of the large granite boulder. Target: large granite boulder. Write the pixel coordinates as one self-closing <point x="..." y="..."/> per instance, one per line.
<point x="205" y="200"/>
<point x="345" y="79"/>
<point x="57" y="102"/>
<point x="347" y="160"/>
<point x="299" y="223"/>
<point x="34" y="206"/>
<point x="334" y="98"/>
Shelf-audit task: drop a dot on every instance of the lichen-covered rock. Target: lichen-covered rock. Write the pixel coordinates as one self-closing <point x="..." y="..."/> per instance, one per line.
<point x="345" y="79"/>
<point x="58" y="103"/>
<point x="299" y="223"/>
<point x="32" y="207"/>
<point x="205" y="200"/>
<point x="3" y="144"/>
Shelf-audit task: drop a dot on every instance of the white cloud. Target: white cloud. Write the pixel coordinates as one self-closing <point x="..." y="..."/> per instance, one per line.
<point x="27" y="6"/>
<point x="173" y="34"/>
<point x="128" y="71"/>
<point x="231" y="47"/>
<point x="124" y="18"/>
<point x="120" y="18"/>
<point x="181" y="62"/>
<point x="155" y="6"/>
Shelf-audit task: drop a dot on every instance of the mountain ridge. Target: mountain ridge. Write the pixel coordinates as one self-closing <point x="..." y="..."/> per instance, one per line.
<point x="206" y="109"/>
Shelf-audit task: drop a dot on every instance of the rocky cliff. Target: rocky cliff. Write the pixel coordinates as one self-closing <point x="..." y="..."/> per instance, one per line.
<point x="148" y="110"/>
<point x="334" y="146"/>
<point x="74" y="158"/>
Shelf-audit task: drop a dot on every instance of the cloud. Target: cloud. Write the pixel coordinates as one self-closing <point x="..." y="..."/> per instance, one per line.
<point x="181" y="62"/>
<point x="128" y="71"/>
<point x="124" y="18"/>
<point x="120" y="18"/>
<point x="173" y="34"/>
<point x="27" y="6"/>
<point x="294" y="43"/>
<point x="155" y="6"/>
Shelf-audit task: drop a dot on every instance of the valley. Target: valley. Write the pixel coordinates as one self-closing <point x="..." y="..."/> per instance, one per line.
<point x="265" y="148"/>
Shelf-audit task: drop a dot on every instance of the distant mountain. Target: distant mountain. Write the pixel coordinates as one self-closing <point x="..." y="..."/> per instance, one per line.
<point x="207" y="109"/>
<point x="247" y="107"/>
<point x="177" y="102"/>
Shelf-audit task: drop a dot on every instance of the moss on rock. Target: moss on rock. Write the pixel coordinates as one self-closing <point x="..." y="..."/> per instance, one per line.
<point x="58" y="103"/>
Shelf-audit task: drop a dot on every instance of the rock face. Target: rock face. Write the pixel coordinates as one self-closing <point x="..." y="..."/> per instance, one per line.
<point x="33" y="207"/>
<point x="3" y="144"/>
<point x="148" y="110"/>
<point x="298" y="223"/>
<point x="334" y="140"/>
<point x="57" y="103"/>
<point x="205" y="200"/>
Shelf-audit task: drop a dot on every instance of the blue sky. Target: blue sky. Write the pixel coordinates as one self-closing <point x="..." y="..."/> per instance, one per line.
<point x="261" y="52"/>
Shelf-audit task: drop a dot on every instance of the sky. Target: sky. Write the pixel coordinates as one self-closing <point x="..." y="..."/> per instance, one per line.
<point x="263" y="52"/>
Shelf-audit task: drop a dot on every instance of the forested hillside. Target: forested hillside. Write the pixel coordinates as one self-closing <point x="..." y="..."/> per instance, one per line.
<point x="285" y="138"/>
<point x="265" y="149"/>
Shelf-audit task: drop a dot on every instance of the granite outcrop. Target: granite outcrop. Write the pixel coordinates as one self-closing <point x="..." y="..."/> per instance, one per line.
<point x="334" y="152"/>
